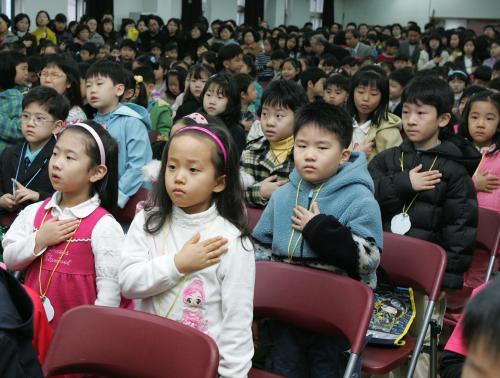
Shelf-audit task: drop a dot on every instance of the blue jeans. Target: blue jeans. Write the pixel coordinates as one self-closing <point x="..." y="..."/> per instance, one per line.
<point x="297" y="353"/>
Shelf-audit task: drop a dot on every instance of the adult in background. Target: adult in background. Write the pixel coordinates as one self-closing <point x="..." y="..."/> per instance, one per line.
<point x="321" y="46"/>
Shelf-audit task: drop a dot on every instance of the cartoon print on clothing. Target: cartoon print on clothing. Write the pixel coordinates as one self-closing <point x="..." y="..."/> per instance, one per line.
<point x="193" y="313"/>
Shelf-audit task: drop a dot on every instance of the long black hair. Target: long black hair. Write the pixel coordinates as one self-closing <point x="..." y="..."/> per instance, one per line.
<point x="229" y="202"/>
<point x="107" y="187"/>
<point x="225" y="84"/>
<point x="195" y="72"/>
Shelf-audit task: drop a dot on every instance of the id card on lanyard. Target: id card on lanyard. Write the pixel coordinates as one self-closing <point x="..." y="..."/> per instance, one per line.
<point x="21" y="157"/>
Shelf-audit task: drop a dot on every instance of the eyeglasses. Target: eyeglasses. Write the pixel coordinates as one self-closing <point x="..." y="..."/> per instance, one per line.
<point x="38" y="119"/>
<point x="51" y="75"/>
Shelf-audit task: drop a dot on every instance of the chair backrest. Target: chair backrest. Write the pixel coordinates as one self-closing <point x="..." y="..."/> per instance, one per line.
<point x="116" y="342"/>
<point x="127" y="214"/>
<point x="314" y="299"/>
<point x="414" y="262"/>
<point x="253" y="215"/>
<point x="488" y="231"/>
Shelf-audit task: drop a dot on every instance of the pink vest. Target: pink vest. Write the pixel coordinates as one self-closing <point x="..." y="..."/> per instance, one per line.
<point x="490" y="163"/>
<point x="74" y="282"/>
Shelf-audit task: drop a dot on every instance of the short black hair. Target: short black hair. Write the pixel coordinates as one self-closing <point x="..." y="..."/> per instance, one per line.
<point x="481" y="323"/>
<point x="327" y="117"/>
<point x="494" y="84"/>
<point x="107" y="68"/>
<point x="341" y="81"/>
<point x="284" y="94"/>
<point x="55" y="104"/>
<point x="228" y="52"/>
<point x="483" y="73"/>
<point x="91" y="47"/>
<point x="242" y="82"/>
<point x="429" y="90"/>
<point x="8" y="65"/>
<point x="312" y="74"/>
<point x="402" y="76"/>
<point x="392" y="42"/>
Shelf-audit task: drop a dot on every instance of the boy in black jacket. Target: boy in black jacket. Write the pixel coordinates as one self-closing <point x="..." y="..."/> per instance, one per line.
<point x="424" y="186"/>
<point x="24" y="175"/>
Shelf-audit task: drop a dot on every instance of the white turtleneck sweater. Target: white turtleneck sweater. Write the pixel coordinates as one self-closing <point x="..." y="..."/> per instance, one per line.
<point x="217" y="300"/>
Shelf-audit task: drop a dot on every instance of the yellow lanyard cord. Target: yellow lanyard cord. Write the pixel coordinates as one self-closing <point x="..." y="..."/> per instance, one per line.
<point x="292" y="253"/>
<point x="401" y="162"/>
<point x="42" y="293"/>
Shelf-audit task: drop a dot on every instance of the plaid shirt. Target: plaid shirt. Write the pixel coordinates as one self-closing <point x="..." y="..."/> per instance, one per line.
<point x="258" y="161"/>
<point x="10" y="124"/>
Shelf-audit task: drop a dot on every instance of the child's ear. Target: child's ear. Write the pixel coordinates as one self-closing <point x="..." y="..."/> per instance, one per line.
<point x="345" y="155"/>
<point x="98" y="172"/>
<point x="220" y="185"/>
<point x="310" y="84"/>
<point x="58" y="125"/>
<point x="444" y="119"/>
<point x="225" y="64"/>
<point x="119" y="89"/>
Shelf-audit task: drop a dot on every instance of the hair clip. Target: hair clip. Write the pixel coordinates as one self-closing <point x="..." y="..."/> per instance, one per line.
<point x="198" y="118"/>
<point x="138" y="79"/>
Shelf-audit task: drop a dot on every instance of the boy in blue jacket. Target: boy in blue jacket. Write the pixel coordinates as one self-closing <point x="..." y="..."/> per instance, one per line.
<point x="325" y="217"/>
<point x="105" y="85"/>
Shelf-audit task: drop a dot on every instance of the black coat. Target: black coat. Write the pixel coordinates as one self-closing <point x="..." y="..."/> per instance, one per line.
<point x="18" y="357"/>
<point x="446" y="215"/>
<point x="41" y="182"/>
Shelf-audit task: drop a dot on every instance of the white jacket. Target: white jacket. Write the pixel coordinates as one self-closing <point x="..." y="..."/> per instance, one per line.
<point x="217" y="300"/>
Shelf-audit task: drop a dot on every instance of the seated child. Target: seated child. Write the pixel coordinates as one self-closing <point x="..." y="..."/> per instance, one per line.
<point x="267" y="161"/>
<point x="105" y="85"/>
<point x="325" y="217"/>
<point x="248" y="94"/>
<point x="312" y="81"/>
<point x="336" y="90"/>
<point x="24" y="167"/>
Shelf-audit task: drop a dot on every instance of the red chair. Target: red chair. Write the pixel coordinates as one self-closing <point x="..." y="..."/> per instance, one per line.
<point x="254" y="215"/>
<point x="419" y="264"/>
<point x="488" y="237"/>
<point x="7" y="219"/>
<point x="127" y="214"/>
<point x="121" y="343"/>
<point x="321" y="301"/>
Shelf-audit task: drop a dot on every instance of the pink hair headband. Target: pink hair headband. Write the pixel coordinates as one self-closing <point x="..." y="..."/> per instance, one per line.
<point x="97" y="138"/>
<point x="210" y="134"/>
<point x="198" y="118"/>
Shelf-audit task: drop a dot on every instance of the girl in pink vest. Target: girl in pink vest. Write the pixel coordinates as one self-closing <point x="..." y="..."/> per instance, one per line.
<point x="69" y="245"/>
<point x="481" y="125"/>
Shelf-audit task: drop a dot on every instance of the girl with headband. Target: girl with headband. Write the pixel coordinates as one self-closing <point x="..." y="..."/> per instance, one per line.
<point x="187" y="255"/>
<point x="69" y="244"/>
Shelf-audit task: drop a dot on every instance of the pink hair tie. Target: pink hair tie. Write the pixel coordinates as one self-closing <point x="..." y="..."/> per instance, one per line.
<point x="210" y="134"/>
<point x="198" y="118"/>
<point x="97" y="138"/>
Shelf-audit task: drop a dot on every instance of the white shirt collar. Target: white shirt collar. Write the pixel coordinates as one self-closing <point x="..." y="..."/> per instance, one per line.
<point x="363" y="127"/>
<point x="81" y="210"/>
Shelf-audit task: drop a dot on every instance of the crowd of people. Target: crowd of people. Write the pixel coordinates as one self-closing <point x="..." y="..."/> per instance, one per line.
<point x="338" y="134"/>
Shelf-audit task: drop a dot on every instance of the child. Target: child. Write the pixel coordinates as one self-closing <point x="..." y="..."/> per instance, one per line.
<point x="248" y="94"/>
<point x="468" y="61"/>
<point x="458" y="81"/>
<point x="267" y="161"/>
<point x="290" y="69"/>
<point x="336" y="90"/>
<point x="198" y="76"/>
<point x="391" y="49"/>
<point x="328" y="63"/>
<point x="128" y="51"/>
<point x="495" y="54"/>
<point x="10" y="102"/>
<point x="24" y="168"/>
<point x="175" y="80"/>
<point x="21" y="79"/>
<point x="88" y="52"/>
<point x="397" y="82"/>
<point x="105" y="86"/>
<point x="265" y="73"/>
<point x="221" y="98"/>
<point x="175" y="262"/>
<point x="423" y="186"/>
<point x="231" y="58"/>
<point x="83" y="170"/>
<point x="328" y="202"/>
<point x="312" y="81"/>
<point x="481" y="125"/>
<point x="375" y="129"/>
<point x="159" y="110"/>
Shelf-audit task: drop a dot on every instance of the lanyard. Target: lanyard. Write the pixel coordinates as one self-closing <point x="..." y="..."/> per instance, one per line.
<point x="23" y="152"/>
<point x="290" y="255"/>
<point x="401" y="162"/>
<point x="42" y="292"/>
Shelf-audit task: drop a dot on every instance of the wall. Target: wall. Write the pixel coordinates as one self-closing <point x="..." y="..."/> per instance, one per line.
<point x="53" y="7"/>
<point x="218" y="9"/>
<point x="298" y="12"/>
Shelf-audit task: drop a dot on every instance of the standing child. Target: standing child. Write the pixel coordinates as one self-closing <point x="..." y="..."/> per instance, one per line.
<point x="336" y="90"/>
<point x="328" y="202"/>
<point x="175" y="262"/>
<point x="105" y="85"/>
<point x="481" y="125"/>
<point x="221" y="99"/>
<point x="69" y="244"/>
<point x="375" y="129"/>
<point x="24" y="168"/>
<point x="267" y="160"/>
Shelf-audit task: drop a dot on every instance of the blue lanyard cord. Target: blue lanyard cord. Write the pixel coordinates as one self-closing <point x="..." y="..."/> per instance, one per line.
<point x="23" y="152"/>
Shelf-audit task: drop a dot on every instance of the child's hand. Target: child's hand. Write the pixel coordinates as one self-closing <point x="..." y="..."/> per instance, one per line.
<point x="486" y="183"/>
<point x="247" y="124"/>
<point x="269" y="185"/>
<point x="437" y="59"/>
<point x="8" y="202"/>
<point x="367" y="147"/>
<point x="302" y="216"/>
<point x="427" y="180"/>
<point x="196" y="255"/>
<point x="24" y="194"/>
<point x="54" y="231"/>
